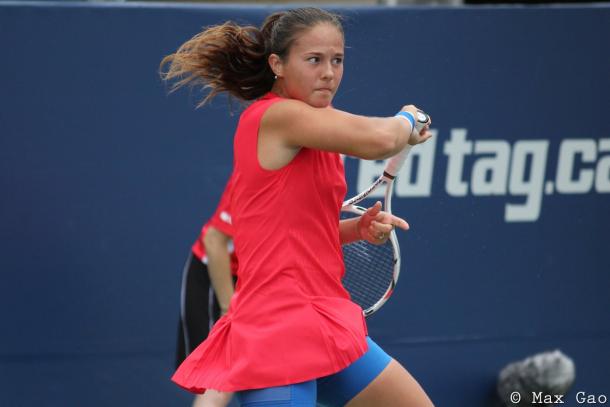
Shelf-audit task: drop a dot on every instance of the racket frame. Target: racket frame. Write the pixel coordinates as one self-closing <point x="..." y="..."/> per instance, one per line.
<point x="351" y="207"/>
<point x="389" y="174"/>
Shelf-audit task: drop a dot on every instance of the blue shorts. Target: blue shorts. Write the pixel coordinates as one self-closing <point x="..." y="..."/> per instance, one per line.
<point x="330" y="391"/>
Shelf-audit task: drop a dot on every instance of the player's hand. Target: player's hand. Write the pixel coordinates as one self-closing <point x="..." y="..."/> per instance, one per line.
<point x="421" y="136"/>
<point x="375" y="225"/>
<point x="418" y="137"/>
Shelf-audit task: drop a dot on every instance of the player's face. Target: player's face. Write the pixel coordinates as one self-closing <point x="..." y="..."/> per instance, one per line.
<point x="313" y="69"/>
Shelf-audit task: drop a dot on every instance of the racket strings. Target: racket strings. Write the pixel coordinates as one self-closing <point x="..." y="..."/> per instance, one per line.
<point x="369" y="271"/>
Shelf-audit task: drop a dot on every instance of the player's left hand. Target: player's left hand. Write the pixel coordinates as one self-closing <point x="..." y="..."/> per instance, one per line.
<point x="375" y="225"/>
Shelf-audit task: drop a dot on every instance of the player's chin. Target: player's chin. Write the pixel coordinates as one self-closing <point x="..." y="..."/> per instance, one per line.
<point x="321" y="99"/>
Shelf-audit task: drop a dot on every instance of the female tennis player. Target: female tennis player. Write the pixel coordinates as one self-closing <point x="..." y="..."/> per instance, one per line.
<point x="207" y="287"/>
<point x="292" y="335"/>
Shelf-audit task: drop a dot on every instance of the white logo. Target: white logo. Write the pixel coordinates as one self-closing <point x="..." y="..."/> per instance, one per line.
<point x="495" y="167"/>
<point x="225" y="217"/>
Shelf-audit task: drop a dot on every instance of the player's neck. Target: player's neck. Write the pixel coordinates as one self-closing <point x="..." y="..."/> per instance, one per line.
<point x="279" y="90"/>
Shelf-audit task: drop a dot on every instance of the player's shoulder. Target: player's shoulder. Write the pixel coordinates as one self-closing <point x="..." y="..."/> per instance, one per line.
<point x="261" y="108"/>
<point x="285" y="111"/>
<point x="288" y="105"/>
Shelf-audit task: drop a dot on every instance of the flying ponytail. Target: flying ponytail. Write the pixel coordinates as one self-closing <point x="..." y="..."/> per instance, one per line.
<point x="224" y="58"/>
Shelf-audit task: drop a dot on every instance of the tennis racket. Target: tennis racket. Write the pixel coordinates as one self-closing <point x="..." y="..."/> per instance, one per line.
<point x="371" y="271"/>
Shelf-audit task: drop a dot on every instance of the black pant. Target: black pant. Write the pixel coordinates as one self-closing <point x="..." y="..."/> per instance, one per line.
<point x="199" y="308"/>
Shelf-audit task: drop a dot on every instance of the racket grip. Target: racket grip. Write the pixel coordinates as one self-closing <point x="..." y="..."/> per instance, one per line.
<point x="421" y="120"/>
<point x="395" y="163"/>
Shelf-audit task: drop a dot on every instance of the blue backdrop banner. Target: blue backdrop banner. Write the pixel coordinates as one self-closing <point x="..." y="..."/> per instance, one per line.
<point x="106" y="179"/>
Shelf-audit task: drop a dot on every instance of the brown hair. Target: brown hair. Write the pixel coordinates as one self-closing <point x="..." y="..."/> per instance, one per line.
<point x="232" y="58"/>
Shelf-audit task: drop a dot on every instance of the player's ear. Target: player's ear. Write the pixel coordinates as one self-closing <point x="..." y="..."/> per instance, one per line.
<point x="276" y="64"/>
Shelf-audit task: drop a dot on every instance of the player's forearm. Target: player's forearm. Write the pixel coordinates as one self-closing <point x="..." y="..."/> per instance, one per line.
<point x="348" y="230"/>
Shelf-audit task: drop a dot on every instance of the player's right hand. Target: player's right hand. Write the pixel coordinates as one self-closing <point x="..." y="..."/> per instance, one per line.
<point x="418" y="137"/>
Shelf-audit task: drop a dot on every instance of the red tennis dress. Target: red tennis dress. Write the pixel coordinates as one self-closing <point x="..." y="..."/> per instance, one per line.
<point x="290" y="319"/>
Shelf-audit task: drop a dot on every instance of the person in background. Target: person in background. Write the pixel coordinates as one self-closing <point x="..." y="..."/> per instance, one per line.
<point x="207" y="286"/>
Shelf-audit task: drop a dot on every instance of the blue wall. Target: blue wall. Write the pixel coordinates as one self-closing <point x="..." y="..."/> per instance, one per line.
<point x="105" y="181"/>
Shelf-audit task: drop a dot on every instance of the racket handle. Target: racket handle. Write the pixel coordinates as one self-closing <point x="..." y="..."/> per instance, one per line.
<point x="421" y="120"/>
<point x="395" y="163"/>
